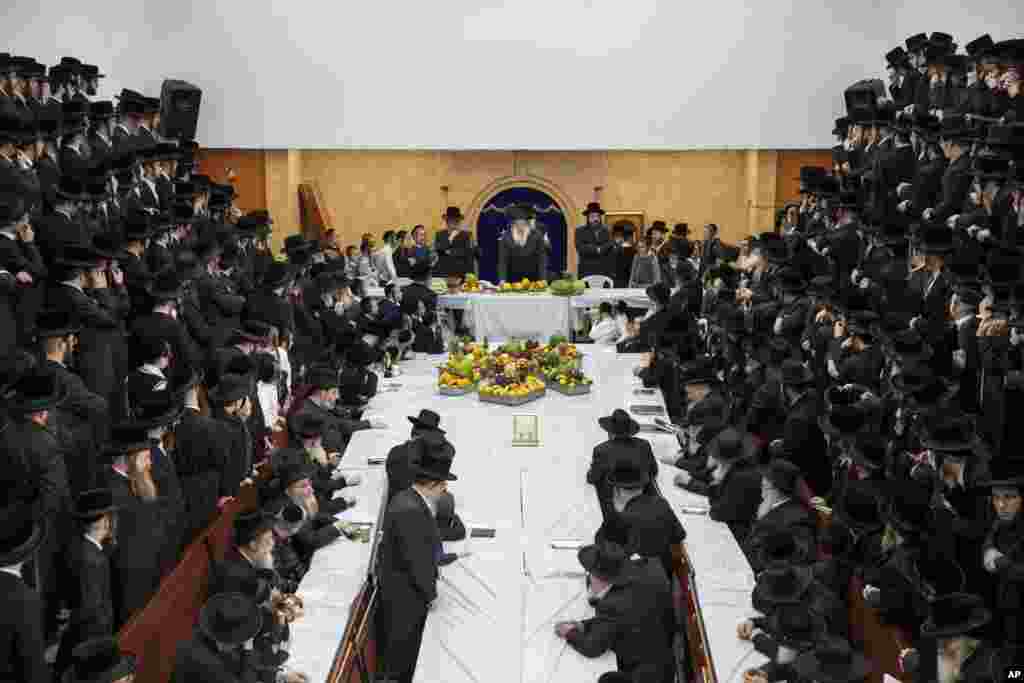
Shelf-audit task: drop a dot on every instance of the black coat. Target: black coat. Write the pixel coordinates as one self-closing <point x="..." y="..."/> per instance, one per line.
<point x="17" y="256"/>
<point x="83" y="416"/>
<point x="185" y="352"/>
<point x="201" y="450"/>
<point x="956" y="183"/>
<point x="734" y="500"/>
<point x="221" y="306"/>
<point x="455" y="253"/>
<point x="409" y="551"/>
<point x="199" y="660"/>
<point x="793" y="516"/>
<point x="594" y="251"/>
<point x="635" y="452"/>
<point x="99" y="313"/>
<point x="89" y="597"/>
<point x="647" y="526"/>
<point x="516" y="262"/>
<point x="21" y="633"/>
<point x="803" y="444"/>
<point x="338" y="428"/>
<point x="399" y="467"/>
<point x="1009" y="598"/>
<point x="636" y="621"/>
<point x="55" y="231"/>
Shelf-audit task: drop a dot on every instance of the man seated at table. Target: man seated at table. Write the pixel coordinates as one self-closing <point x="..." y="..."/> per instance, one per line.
<point x="410" y="549"/>
<point x="622" y="446"/>
<point x="642" y="521"/>
<point x="338" y="427"/>
<point x="634" y="616"/>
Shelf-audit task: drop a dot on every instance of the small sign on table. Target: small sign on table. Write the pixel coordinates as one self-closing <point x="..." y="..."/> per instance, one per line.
<point x="525" y="430"/>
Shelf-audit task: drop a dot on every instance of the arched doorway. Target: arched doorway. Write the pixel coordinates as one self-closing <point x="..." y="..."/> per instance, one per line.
<point x="492" y="223"/>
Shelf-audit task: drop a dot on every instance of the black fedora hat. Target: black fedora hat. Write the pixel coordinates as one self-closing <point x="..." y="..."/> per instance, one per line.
<point x="712" y="410"/>
<point x="779" y="546"/>
<point x="796" y="627"/>
<point x="128" y="437"/>
<point x="294" y="244"/>
<point x="783" y="585"/>
<point x="56" y="323"/>
<point x="783" y="475"/>
<point x="231" y="387"/>
<point x="166" y="286"/>
<point x="278" y="274"/>
<point x="79" y="256"/>
<point x="897" y="57"/>
<point x="294" y="468"/>
<point x="916" y="42"/>
<point x="913" y="378"/>
<point x="907" y="507"/>
<point x="909" y="345"/>
<point x="681" y="229"/>
<point x="158" y="408"/>
<point x="628" y="476"/>
<point x="700" y="370"/>
<point x="230" y="618"/>
<point x="22" y="526"/>
<point x="323" y="377"/>
<point x="843" y="420"/>
<point x="604" y="559"/>
<point x="731" y="445"/>
<point x="619" y="423"/>
<point x="37" y="390"/>
<point x="595" y="207"/>
<point x="1005" y="473"/>
<point x="307" y="425"/>
<point x="832" y="661"/>
<point x="859" y="505"/>
<point x="453" y="213"/>
<point x="870" y="450"/>
<point x="950" y="433"/>
<point x="138" y="226"/>
<point x="955" y="614"/>
<point x="427" y="420"/>
<point x="435" y="457"/>
<point x="101" y="110"/>
<point x="110" y="246"/>
<point x="92" y="504"/>
<point x="12" y="367"/>
<point x="362" y="354"/>
<point x="100" y="660"/>
<point x="796" y="374"/>
<point x="790" y="280"/>
<point x="248" y="525"/>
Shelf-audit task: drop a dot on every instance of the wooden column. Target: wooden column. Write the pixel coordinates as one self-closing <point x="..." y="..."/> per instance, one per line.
<point x="283" y="173"/>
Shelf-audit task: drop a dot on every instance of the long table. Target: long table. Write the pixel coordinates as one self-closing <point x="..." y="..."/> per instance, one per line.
<point x="496" y="609"/>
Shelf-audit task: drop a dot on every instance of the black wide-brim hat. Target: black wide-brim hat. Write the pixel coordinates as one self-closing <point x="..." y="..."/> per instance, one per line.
<point x="93" y="504"/>
<point x="231" y="388"/>
<point x="731" y="445"/>
<point x="619" y="423"/>
<point x="605" y="559"/>
<point x="73" y="188"/>
<point x="100" y="660"/>
<point x="35" y="391"/>
<point x="427" y="419"/>
<point x="362" y="354"/>
<point x="954" y="434"/>
<point x="796" y="627"/>
<point x="833" y="662"/>
<point x="307" y="425"/>
<point x="435" y="457"/>
<point x="158" y="409"/>
<point x="453" y="213"/>
<point x="783" y="585"/>
<point x="278" y="274"/>
<point x="248" y="525"/>
<point x="796" y="374"/>
<point x="594" y="207"/>
<point x="955" y="614"/>
<point x="56" y="323"/>
<point x="859" y="505"/>
<point x="908" y="345"/>
<point x="779" y="547"/>
<point x="230" y="618"/>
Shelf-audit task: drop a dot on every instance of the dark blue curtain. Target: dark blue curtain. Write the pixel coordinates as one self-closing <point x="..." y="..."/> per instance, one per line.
<point x="492" y="224"/>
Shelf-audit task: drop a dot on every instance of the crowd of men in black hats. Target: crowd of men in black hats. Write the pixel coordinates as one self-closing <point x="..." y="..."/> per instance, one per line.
<point x="153" y="351"/>
<point x="846" y="385"/>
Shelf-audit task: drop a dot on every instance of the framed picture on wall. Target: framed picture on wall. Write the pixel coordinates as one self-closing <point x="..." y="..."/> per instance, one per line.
<point x="629" y="220"/>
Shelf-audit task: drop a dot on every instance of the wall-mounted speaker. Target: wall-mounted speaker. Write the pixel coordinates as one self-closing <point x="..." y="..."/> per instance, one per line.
<point x="179" y="109"/>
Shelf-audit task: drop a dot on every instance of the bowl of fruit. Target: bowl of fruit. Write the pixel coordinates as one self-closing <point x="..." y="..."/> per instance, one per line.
<point x="568" y="380"/>
<point x="524" y="286"/>
<point x="511" y="392"/>
<point x="458" y="376"/>
<point x="471" y="285"/>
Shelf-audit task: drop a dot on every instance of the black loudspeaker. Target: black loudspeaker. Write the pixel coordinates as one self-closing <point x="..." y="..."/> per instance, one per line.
<point x="179" y="109"/>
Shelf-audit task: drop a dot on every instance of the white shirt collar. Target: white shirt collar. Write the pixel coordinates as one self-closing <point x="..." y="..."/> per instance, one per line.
<point x="74" y="285"/>
<point x="99" y="546"/>
<point x="13" y="571"/>
<point x="150" y="369"/>
<point x="63" y="212"/>
<point x="963" y="320"/>
<point x="431" y="505"/>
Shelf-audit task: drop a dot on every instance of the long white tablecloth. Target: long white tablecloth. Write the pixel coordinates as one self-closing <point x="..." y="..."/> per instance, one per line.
<point x="497" y="608"/>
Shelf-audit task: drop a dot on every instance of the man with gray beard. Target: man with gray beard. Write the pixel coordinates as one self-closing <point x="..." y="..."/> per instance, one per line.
<point x="1003" y="552"/>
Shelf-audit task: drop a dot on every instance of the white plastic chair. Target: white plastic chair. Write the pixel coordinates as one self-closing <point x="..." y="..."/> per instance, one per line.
<point x="598" y="282"/>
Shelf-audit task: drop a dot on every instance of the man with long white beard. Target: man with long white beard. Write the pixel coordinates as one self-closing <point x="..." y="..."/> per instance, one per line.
<point x="955" y="621"/>
<point x="319" y="528"/>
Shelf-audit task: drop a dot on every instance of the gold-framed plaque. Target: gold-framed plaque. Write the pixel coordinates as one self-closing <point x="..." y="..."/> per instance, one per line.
<point x="525" y="430"/>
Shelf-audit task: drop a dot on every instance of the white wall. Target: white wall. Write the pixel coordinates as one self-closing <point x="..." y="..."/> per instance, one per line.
<point x="498" y="74"/>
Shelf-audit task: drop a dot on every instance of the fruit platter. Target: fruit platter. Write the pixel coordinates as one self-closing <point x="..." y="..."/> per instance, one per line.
<point x="524" y="286"/>
<point x="568" y="287"/>
<point x="568" y="379"/>
<point x="471" y="285"/>
<point x="513" y="373"/>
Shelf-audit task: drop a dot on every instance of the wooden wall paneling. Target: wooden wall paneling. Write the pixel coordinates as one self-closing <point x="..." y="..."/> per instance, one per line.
<point x="249" y="169"/>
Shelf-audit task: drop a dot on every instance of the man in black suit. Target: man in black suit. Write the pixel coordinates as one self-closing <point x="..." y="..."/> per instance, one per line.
<point x="338" y="427"/>
<point x="641" y="520"/>
<point x="634" y="616"/>
<point x="163" y="323"/>
<point x="251" y="553"/>
<point x="83" y="417"/>
<point x="22" y="643"/>
<point x="932" y="284"/>
<point x="402" y="459"/>
<point x="154" y="357"/>
<point x="594" y="245"/>
<point x="410" y="550"/>
<point x="955" y="139"/>
<point x="216" y="653"/>
<point x="20" y="257"/>
<point x="622" y="446"/>
<point x="90" y="598"/>
<point x="781" y="508"/>
<point x="803" y="442"/>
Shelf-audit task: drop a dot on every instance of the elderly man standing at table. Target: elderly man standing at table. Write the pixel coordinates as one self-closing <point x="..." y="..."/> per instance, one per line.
<point x="594" y="246"/>
<point x="410" y="550"/>
<point x="634" y="619"/>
